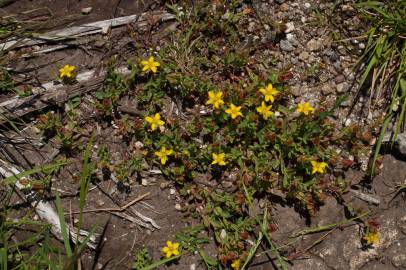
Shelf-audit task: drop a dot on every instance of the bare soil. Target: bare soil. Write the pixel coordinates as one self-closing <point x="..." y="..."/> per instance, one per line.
<point x="339" y="249"/>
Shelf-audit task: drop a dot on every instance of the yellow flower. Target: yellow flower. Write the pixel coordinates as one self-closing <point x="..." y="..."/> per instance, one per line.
<point x="171" y="249"/>
<point x="67" y="72"/>
<point x="269" y="92"/>
<point x="163" y="154"/>
<point x="372" y="238"/>
<point x="318" y="166"/>
<point x="218" y="159"/>
<point x="155" y="121"/>
<point x="234" y="111"/>
<point x="150" y="64"/>
<point x="304" y="108"/>
<point x="265" y="110"/>
<point x="236" y="264"/>
<point x="215" y="98"/>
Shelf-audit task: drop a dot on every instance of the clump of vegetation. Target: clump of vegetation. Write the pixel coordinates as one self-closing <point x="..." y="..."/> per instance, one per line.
<point x="142" y="259"/>
<point x="384" y="62"/>
<point x="223" y="127"/>
<point x="241" y="138"/>
<point x="6" y="82"/>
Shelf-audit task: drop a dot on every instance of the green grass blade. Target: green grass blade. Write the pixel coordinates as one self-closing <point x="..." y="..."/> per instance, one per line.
<point x="379" y="141"/>
<point x="64" y="230"/>
<point x="161" y="262"/>
<point x="252" y="251"/>
<point x="3" y="258"/>
<point x="13" y="179"/>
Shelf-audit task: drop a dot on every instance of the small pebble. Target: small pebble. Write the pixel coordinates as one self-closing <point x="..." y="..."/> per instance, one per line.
<point x="314" y="45"/>
<point x="304" y="55"/>
<point x="285" y="45"/>
<point x="100" y="202"/>
<point x="223" y="234"/>
<point x="178" y="207"/>
<point x="284" y="7"/>
<point x="289" y="27"/>
<point x="86" y="10"/>
<point x="339" y="79"/>
<point x="138" y="145"/>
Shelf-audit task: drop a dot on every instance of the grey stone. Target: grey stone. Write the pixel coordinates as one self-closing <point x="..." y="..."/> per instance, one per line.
<point x="304" y="56"/>
<point x="284" y="7"/>
<point x="339" y="79"/>
<point x="292" y="39"/>
<point x="342" y="87"/>
<point x="285" y="45"/>
<point x="337" y="66"/>
<point x="297" y="90"/>
<point x="346" y="103"/>
<point x="333" y="56"/>
<point x="251" y="27"/>
<point x="401" y="140"/>
<point x="328" y="88"/>
<point x="294" y="60"/>
<point x="314" y="45"/>
<point x="290" y="26"/>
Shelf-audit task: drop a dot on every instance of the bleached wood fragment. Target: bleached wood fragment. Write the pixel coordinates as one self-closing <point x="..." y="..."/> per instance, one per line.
<point x="82" y="30"/>
<point x="51" y="93"/>
<point x="366" y="197"/>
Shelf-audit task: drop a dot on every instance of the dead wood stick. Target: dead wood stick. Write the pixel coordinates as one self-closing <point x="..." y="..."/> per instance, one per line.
<point x="366" y="197"/>
<point x="83" y="30"/>
<point x="45" y="210"/>
<point x="51" y="94"/>
<point x="115" y="209"/>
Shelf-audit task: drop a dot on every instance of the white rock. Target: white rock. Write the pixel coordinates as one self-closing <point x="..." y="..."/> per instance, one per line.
<point x="314" y="45"/>
<point x="86" y="10"/>
<point x="304" y="55"/>
<point x="138" y="145"/>
<point x="172" y="191"/>
<point x="178" y="207"/>
<point x="289" y="27"/>
<point x="223" y="234"/>
<point x="144" y="182"/>
<point x="193" y="266"/>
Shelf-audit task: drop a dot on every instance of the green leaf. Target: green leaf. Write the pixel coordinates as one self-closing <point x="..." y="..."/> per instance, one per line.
<point x="13" y="179"/>
<point x="64" y="230"/>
